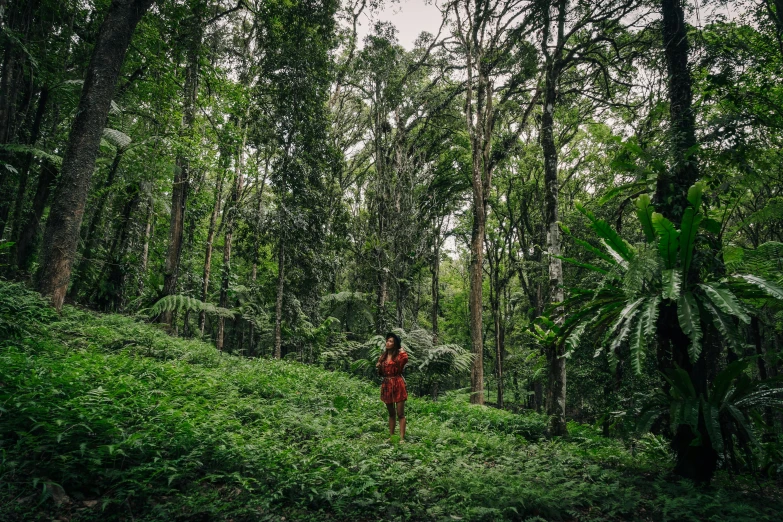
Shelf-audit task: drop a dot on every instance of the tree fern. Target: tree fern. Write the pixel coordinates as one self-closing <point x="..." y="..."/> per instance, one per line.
<point x="183" y="303"/>
<point x="768" y="288"/>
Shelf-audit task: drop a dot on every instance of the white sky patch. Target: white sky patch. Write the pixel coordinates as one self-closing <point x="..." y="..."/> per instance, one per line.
<point x="410" y="17"/>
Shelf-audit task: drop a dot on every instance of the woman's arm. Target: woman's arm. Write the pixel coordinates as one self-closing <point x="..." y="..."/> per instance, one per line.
<point x="402" y="359"/>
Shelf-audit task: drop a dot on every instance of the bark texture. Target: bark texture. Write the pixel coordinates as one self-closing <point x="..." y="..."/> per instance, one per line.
<point x="671" y="193"/>
<point x="65" y="218"/>
<point x="28" y="235"/>
<point x="181" y="184"/>
<point x="202" y="319"/>
<point x="18" y="217"/>
<point x="556" y="385"/>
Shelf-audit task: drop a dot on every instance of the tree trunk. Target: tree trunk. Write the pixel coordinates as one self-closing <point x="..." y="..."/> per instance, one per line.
<point x="115" y="263"/>
<point x="29" y="234"/>
<point x="179" y="192"/>
<point x="435" y="271"/>
<point x="149" y="229"/>
<point x="65" y="217"/>
<point x="697" y="463"/>
<point x="498" y="350"/>
<point x="279" y="298"/>
<point x="476" y="274"/>
<point x="91" y="239"/>
<point x="231" y="210"/>
<point x="20" y="15"/>
<point x="671" y="193"/>
<point x="18" y="220"/>
<point x="556" y="389"/>
<point x="202" y="319"/>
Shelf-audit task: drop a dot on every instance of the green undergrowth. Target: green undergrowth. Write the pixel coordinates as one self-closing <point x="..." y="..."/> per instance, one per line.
<point x="103" y="417"/>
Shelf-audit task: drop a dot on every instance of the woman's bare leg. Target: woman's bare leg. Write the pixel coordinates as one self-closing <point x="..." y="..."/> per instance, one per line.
<point x="392" y="418"/>
<point x="401" y="416"/>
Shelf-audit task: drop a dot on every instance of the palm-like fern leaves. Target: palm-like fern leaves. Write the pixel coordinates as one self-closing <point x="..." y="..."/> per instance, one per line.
<point x="183" y="303"/>
<point x="651" y="276"/>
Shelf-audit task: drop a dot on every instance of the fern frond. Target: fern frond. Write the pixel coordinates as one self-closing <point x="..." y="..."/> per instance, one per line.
<point x="644" y="211"/>
<point x="668" y="244"/>
<point x="726" y="301"/>
<point x="183" y="303"/>
<point x="690" y="322"/>
<point x="688" y="230"/>
<point x="770" y="289"/>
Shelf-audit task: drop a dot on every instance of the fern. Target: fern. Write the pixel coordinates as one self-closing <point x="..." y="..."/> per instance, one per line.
<point x="725" y="300"/>
<point x="35" y="152"/>
<point x="668" y="244"/>
<point x="765" y="261"/>
<point x="644" y="211"/>
<point x="688" y="231"/>
<point x="183" y="303"/>
<point x="690" y="322"/>
<point x="644" y="267"/>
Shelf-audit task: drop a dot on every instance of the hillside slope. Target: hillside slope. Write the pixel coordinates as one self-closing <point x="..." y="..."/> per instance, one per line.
<point x="108" y="418"/>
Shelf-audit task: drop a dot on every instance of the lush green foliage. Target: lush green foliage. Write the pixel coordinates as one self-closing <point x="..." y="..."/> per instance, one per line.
<point x="104" y="416"/>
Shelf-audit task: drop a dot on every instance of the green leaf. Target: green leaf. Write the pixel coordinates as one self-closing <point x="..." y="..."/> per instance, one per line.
<point x="671" y="281"/>
<point x="644" y="211"/>
<point x="637" y="347"/>
<point x="723" y="381"/>
<point x="649" y="317"/>
<point x="587" y="246"/>
<point x="725" y="326"/>
<point x="711" y="225"/>
<point x="616" y="245"/>
<point x="669" y="239"/>
<point x="688" y="231"/>
<point x="576" y="262"/>
<point x="572" y="341"/>
<point x="712" y="423"/>
<point x="690" y="410"/>
<point x="690" y="322"/>
<point x="740" y="418"/>
<point x="681" y="382"/>
<point x="616" y="191"/>
<point x="725" y="300"/>
<point x="627" y="313"/>
<point x="770" y="289"/>
<point x="695" y="193"/>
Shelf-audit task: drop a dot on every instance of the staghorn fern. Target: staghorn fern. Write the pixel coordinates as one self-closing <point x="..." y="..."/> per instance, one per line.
<point x="183" y="303"/>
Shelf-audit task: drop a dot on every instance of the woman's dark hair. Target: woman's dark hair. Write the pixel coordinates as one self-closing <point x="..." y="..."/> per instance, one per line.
<point x="397" y="342"/>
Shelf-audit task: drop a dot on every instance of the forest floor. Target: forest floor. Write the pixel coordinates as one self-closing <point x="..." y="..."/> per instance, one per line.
<point x="104" y="417"/>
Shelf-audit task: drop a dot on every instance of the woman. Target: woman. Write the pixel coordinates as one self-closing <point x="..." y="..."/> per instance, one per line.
<point x="393" y="392"/>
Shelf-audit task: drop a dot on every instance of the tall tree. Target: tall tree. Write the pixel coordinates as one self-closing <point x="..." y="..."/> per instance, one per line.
<point x="580" y="38"/>
<point x="490" y="41"/>
<point x="65" y="218"/>
<point x="179" y="191"/>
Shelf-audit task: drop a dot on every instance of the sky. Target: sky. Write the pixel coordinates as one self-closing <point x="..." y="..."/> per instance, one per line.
<point x="411" y="17"/>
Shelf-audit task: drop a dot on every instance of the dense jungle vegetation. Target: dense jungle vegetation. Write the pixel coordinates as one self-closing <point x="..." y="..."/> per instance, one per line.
<point x="212" y="210"/>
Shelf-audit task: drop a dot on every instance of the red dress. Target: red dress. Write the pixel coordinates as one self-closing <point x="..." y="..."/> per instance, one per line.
<point x="393" y="385"/>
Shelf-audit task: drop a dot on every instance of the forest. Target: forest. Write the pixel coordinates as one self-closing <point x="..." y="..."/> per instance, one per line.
<point x="213" y="211"/>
